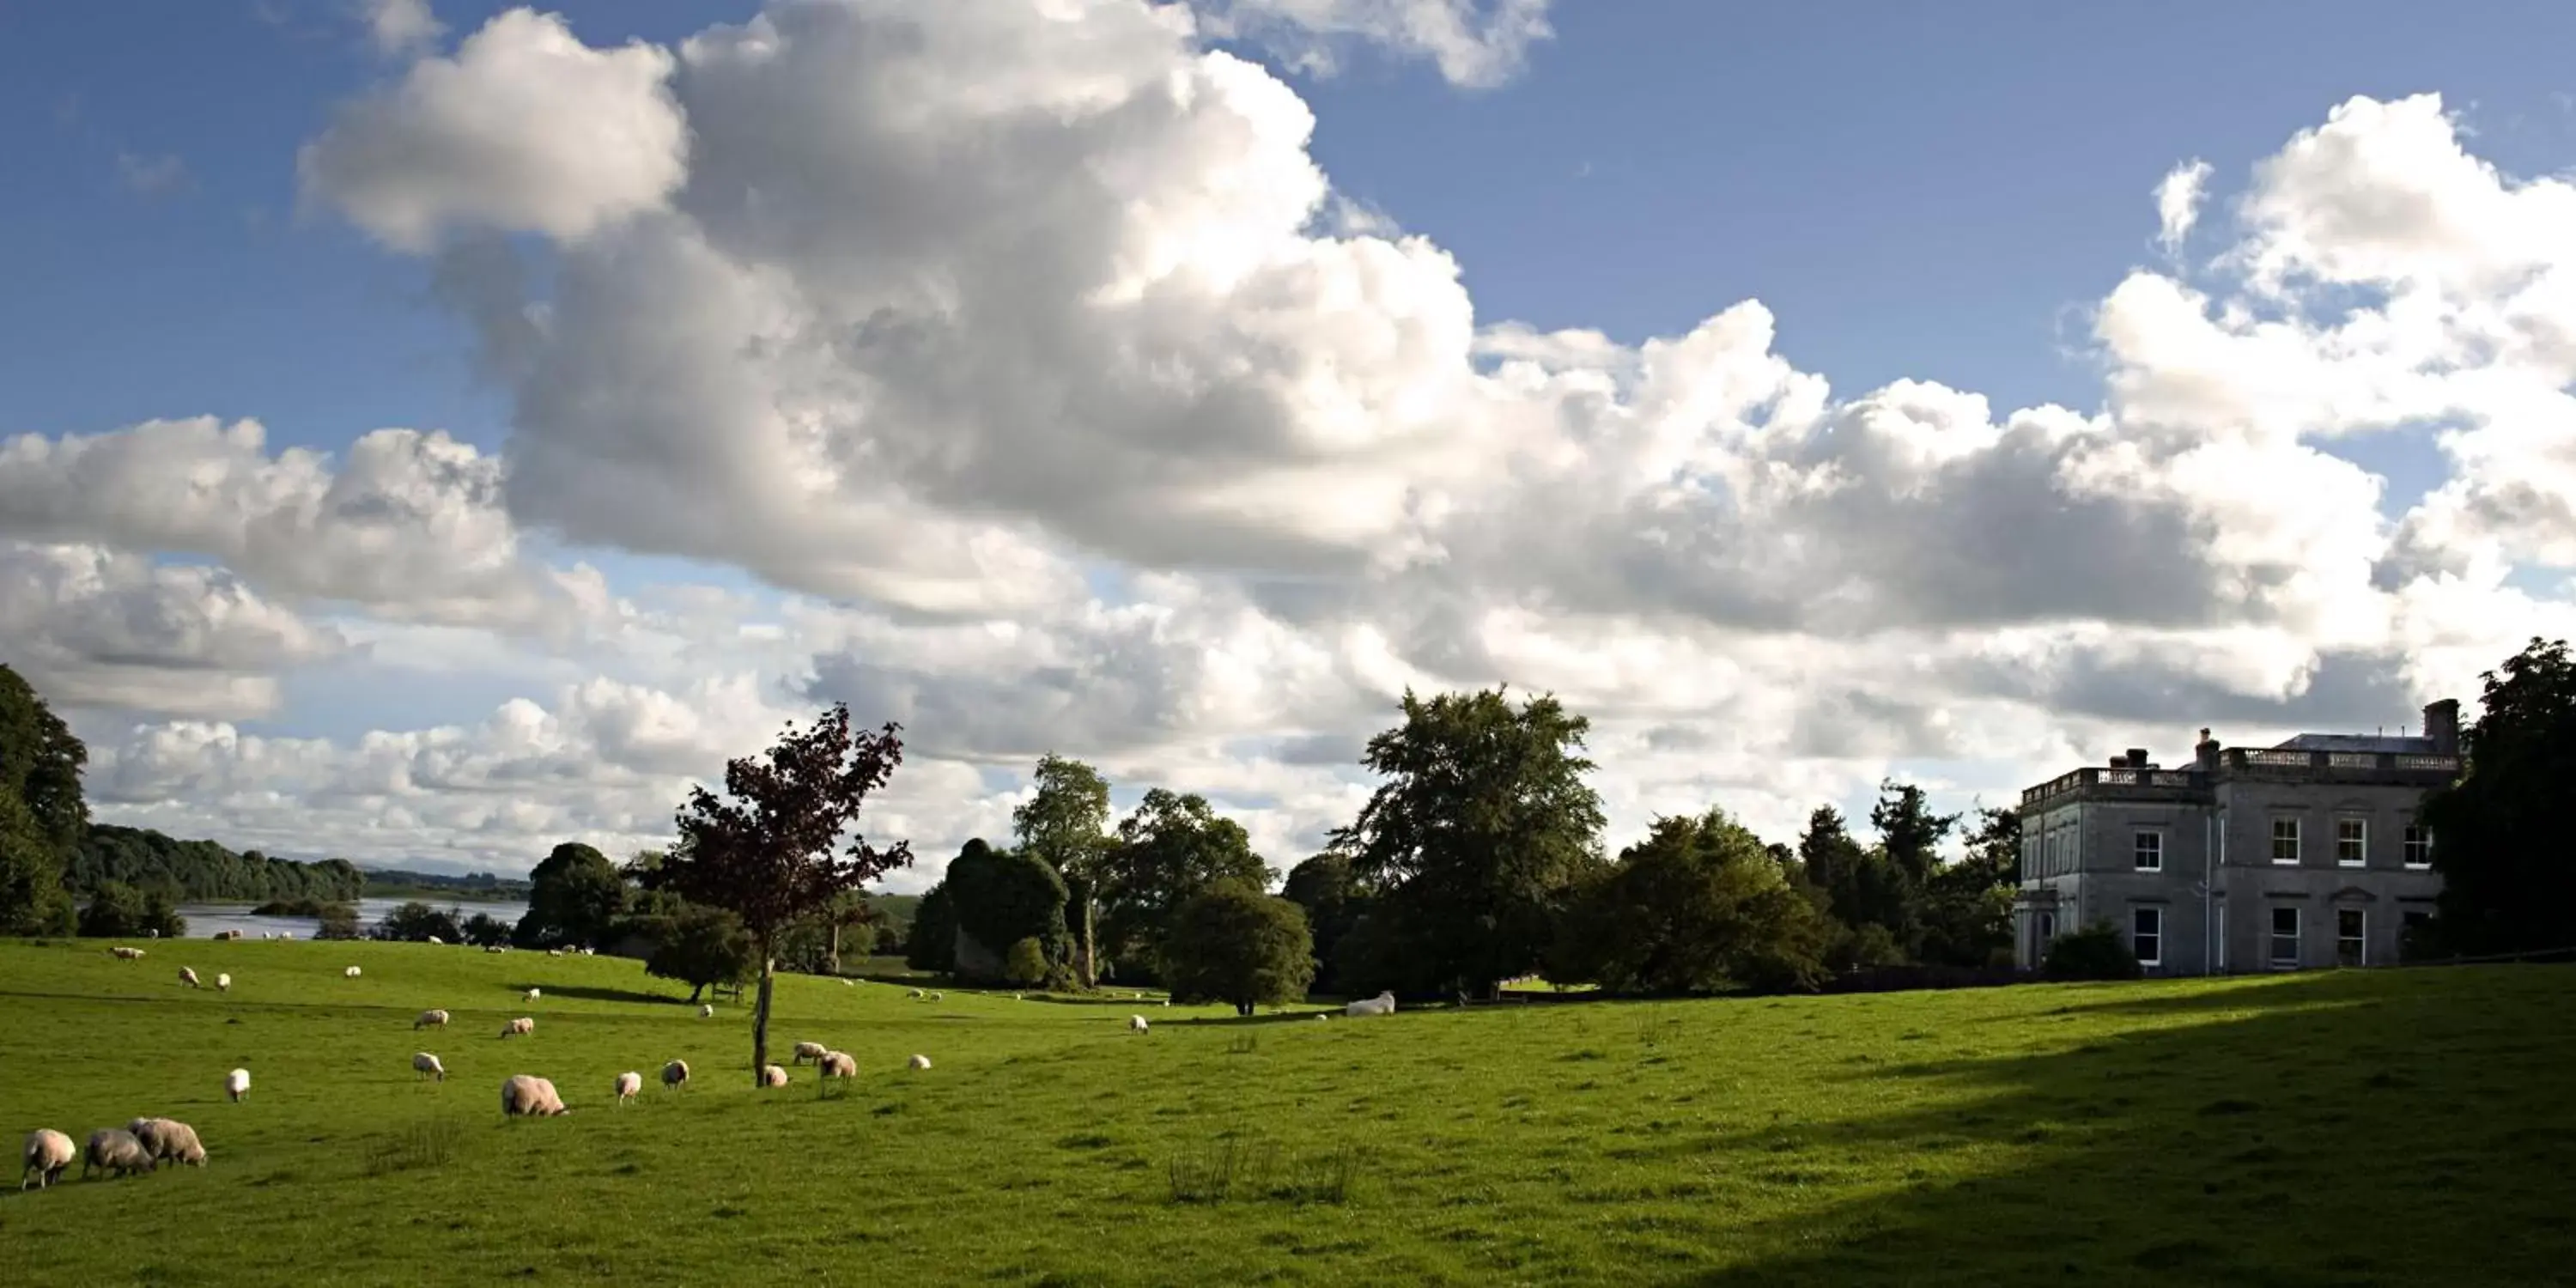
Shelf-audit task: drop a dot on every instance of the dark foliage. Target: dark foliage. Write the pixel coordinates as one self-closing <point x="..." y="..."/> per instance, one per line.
<point x="1699" y="906"/>
<point x="1330" y="891"/>
<point x="701" y="947"/>
<point x="2097" y="951"/>
<point x="2501" y="835"/>
<point x="575" y="897"/>
<point x="416" y="922"/>
<point x="1001" y="897"/>
<point x="206" y="870"/>
<point x="120" y="911"/>
<point x="1173" y="846"/>
<point x="931" y="943"/>
<point x="1232" y="943"/>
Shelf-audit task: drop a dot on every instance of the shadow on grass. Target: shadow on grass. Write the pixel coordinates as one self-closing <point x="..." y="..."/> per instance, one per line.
<point x="2340" y="1130"/>
<point x="587" y="993"/>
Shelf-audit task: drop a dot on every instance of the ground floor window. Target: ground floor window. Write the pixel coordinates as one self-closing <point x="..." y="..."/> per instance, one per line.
<point x="2285" y="938"/>
<point x="2147" y="935"/>
<point x="2351" y="937"/>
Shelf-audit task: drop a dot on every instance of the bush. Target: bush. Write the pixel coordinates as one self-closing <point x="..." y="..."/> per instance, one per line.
<point x="115" y="911"/>
<point x="483" y="930"/>
<point x="417" y="922"/>
<point x="2096" y="952"/>
<point x="338" y="921"/>
<point x="706" y="946"/>
<point x="1026" y="964"/>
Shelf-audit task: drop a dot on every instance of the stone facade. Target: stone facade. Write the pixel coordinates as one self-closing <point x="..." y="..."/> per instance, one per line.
<point x="2300" y="856"/>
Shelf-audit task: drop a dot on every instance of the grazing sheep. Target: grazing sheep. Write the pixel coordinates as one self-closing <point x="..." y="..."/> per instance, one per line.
<point x="116" y="1151"/>
<point x="1323" y="1015"/>
<point x="1167" y="1001"/>
<point x="168" y="1138"/>
<point x="153" y="933"/>
<point x="48" y="1153"/>
<point x="223" y="983"/>
<point x="705" y="1010"/>
<point x="1382" y="1004"/>
<point x="237" y="1084"/>
<point x="1136" y="1022"/>
<point x="430" y="1020"/>
<point x="123" y="953"/>
<point x="494" y="948"/>
<point x="533" y="994"/>
<point x="286" y="934"/>
<point x="531" y="1096"/>
<point x="351" y="973"/>
<point x="837" y="1064"/>
<point x="590" y="952"/>
<point x="807" y="1051"/>
<point x="921" y="1062"/>
<point x="915" y="994"/>
<point x="773" y="1076"/>
<point x="554" y="952"/>
<point x="424" y="1062"/>
<point x="675" y="1073"/>
<point x="847" y="982"/>
<point x="188" y="977"/>
<point x="938" y="997"/>
<point x="628" y="1084"/>
<point x="520" y="1025"/>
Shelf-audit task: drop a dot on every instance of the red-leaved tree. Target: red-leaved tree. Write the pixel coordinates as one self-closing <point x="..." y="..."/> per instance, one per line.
<point x="774" y="852"/>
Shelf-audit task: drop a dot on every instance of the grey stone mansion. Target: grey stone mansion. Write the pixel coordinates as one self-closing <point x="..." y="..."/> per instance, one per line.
<point x="2292" y="857"/>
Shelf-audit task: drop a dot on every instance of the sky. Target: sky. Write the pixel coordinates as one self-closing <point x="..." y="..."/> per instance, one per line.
<point x="433" y="431"/>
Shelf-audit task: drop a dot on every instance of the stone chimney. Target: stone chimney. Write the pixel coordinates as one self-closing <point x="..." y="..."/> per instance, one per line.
<point x="2204" y="753"/>
<point x="2137" y="757"/>
<point x="2442" y="725"/>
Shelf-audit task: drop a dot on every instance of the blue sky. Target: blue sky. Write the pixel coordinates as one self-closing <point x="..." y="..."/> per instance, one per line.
<point x="1936" y="192"/>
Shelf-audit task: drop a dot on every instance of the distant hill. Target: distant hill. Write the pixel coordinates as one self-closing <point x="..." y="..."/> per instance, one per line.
<point x="474" y="887"/>
<point x="205" y="870"/>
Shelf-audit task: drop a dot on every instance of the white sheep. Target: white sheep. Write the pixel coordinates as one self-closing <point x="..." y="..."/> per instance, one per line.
<point x="494" y="948"/>
<point x="123" y="953"/>
<point x="436" y="940"/>
<point x="938" y="996"/>
<point x="237" y="1084"/>
<point x="188" y="977"/>
<point x="528" y="1095"/>
<point x="554" y="952"/>
<point x="223" y="983"/>
<point x="168" y="1138"/>
<point x="590" y="952"/>
<point x="807" y="1051"/>
<point x="1136" y="1023"/>
<point x="424" y="1062"/>
<point x="675" y="1074"/>
<point x="48" y="1153"/>
<point x="628" y="1085"/>
<point x="915" y="994"/>
<point x="837" y="1064"/>
<point x="705" y="1010"/>
<point x="773" y="1076"/>
<point x="286" y="934"/>
<point x="116" y="1151"/>
<point x="351" y="973"/>
<point x="921" y="1062"/>
<point x="533" y="994"/>
<point x="430" y="1020"/>
<point x="1382" y="1004"/>
<point x="521" y="1025"/>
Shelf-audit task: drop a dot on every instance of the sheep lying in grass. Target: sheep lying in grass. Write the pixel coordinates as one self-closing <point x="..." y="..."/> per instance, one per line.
<point x="351" y="973"/>
<point x="526" y="1095"/>
<point x="921" y="1062"/>
<point x="436" y="940"/>
<point x="494" y="948"/>
<point x="705" y="1010"/>
<point x="223" y="983"/>
<point x="675" y="1074"/>
<point x="1382" y="1004"/>
<point x="1136" y="1022"/>
<point x="773" y="1076"/>
<point x="116" y="1151"/>
<point x="554" y="952"/>
<point x="629" y="1085"/>
<point x="430" y="1020"/>
<point x="168" y="1138"/>
<point x="123" y="953"/>
<point x="837" y="1064"/>
<point x="534" y="993"/>
<point x="237" y="1084"/>
<point x="424" y="1062"/>
<point x="523" y="1024"/>
<point x="48" y="1153"/>
<point x="188" y="977"/>
<point x="914" y="995"/>
<point x="807" y="1051"/>
<point x="938" y="996"/>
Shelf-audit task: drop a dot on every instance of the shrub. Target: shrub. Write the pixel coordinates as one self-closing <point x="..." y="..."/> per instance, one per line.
<point x="417" y="922"/>
<point x="1026" y="965"/>
<point x="2095" y="952"/>
<point x="483" y="930"/>
<point x="338" y="921"/>
<point x="706" y="946"/>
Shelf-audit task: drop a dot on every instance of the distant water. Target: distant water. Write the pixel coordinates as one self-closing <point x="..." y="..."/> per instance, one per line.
<point x="204" y="919"/>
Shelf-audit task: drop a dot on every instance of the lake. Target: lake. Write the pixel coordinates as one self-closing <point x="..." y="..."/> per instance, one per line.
<point x="204" y="919"/>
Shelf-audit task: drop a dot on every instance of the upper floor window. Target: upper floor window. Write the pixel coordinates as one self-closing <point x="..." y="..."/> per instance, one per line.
<point x="2352" y="842"/>
<point x="2419" y="846"/>
<point x="2149" y="848"/>
<point x="2285" y="840"/>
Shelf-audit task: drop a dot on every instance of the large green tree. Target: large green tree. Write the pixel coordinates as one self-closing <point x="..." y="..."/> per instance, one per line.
<point x="783" y="841"/>
<point x="702" y="946"/>
<point x="1481" y="830"/>
<point x="1967" y="904"/>
<point x="1699" y="906"/>
<point x="1065" y="822"/>
<point x="1867" y="893"/>
<point x="1002" y="897"/>
<point x="1232" y="943"/>
<point x="1330" y="892"/>
<point x="575" y="897"/>
<point x="42" y="815"/>
<point x="931" y="943"/>
<point x="2501" y="831"/>
<point x="1170" y="848"/>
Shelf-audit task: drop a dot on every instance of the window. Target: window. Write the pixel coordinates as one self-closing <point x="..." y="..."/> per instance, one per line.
<point x="2352" y="842"/>
<point x="2419" y="846"/>
<point x="2285" y="840"/>
<point x="2047" y="929"/>
<point x="2150" y="850"/>
<point x="2147" y="935"/>
<point x="2350" y="941"/>
<point x="2285" y="938"/>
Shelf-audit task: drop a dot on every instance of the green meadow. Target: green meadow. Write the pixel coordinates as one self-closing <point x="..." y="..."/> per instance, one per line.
<point x="2379" y="1127"/>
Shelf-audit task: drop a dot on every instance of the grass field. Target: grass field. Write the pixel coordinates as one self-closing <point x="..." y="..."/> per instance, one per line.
<point x="2386" y="1127"/>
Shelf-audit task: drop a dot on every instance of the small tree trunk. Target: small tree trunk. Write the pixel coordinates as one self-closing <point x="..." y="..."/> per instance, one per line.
<point x="694" y="993"/>
<point x="760" y="1015"/>
<point x="1090" y="931"/>
<point x="832" y="957"/>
